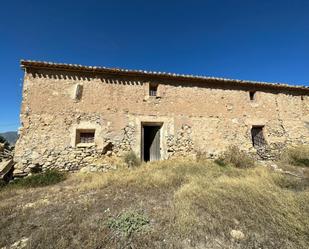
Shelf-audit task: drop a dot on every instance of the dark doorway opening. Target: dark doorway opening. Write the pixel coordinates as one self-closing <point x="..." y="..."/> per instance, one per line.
<point x="151" y="142"/>
<point x="257" y="135"/>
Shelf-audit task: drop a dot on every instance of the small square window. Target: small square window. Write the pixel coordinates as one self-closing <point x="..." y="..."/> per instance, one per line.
<point x="85" y="136"/>
<point x="252" y="95"/>
<point x="153" y="89"/>
<point x="257" y="135"/>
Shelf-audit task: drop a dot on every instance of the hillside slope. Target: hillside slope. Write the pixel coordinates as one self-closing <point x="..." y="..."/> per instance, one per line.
<point x="169" y="204"/>
<point x="10" y="136"/>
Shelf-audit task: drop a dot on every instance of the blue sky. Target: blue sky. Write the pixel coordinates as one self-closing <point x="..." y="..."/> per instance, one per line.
<point x="265" y="40"/>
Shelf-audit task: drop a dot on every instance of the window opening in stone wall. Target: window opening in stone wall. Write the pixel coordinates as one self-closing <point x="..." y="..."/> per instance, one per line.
<point x="257" y="134"/>
<point x="85" y="136"/>
<point x="78" y="92"/>
<point x="153" y="89"/>
<point x="252" y="95"/>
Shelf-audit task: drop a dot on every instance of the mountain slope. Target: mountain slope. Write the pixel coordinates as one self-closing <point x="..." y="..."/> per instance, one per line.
<point x="10" y="136"/>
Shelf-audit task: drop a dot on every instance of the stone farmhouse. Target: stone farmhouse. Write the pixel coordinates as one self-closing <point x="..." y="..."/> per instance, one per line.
<point x="73" y="114"/>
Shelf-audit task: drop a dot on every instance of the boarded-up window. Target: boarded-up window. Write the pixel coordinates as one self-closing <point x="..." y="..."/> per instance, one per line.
<point x="257" y="134"/>
<point x="85" y="136"/>
<point x="153" y="89"/>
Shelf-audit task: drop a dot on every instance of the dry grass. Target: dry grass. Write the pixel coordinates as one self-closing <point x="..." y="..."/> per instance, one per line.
<point x="270" y="216"/>
<point x="131" y="159"/>
<point x="297" y="156"/>
<point x="235" y="157"/>
<point x="189" y="205"/>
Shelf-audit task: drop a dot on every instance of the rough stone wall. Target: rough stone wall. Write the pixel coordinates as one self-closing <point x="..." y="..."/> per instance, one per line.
<point x="197" y="117"/>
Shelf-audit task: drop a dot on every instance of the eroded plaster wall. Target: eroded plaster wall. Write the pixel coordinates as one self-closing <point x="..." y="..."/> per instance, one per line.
<point x="196" y="117"/>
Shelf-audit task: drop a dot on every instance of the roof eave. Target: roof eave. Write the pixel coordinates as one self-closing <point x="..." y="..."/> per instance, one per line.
<point x="140" y="73"/>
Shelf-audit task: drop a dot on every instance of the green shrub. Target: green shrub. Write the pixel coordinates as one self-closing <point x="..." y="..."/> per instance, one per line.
<point x="46" y="178"/>
<point x="236" y="158"/>
<point x="131" y="159"/>
<point x="128" y="222"/>
<point x="298" y="156"/>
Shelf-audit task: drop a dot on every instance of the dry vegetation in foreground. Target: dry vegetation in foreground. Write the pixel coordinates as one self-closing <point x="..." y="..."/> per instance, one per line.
<point x="168" y="204"/>
<point x="298" y="156"/>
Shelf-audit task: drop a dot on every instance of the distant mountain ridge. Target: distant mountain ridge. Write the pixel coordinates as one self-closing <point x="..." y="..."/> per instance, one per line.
<point x="10" y="136"/>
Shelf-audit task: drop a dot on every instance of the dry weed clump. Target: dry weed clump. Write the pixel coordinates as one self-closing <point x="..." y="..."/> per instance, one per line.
<point x="297" y="156"/>
<point x="235" y="157"/>
<point x="131" y="159"/>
